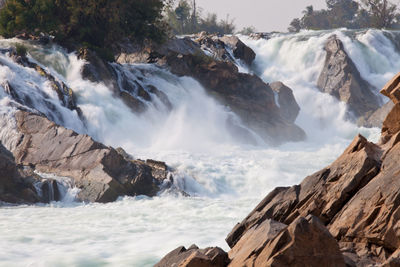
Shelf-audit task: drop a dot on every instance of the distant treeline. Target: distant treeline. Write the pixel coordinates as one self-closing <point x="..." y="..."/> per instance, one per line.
<point x="350" y="14"/>
<point x="185" y="17"/>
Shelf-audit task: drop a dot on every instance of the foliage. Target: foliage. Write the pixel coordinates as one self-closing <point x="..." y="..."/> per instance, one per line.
<point x="348" y="13"/>
<point x="186" y="18"/>
<point x="21" y="50"/>
<point x="247" y="30"/>
<point x="93" y="22"/>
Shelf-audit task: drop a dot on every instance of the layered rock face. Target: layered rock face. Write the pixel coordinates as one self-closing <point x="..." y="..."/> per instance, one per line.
<point x="100" y="172"/>
<point x="344" y="215"/>
<point x="245" y="94"/>
<point x="341" y="79"/>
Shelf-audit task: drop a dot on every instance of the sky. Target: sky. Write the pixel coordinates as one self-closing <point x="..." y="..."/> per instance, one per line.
<point x="264" y="15"/>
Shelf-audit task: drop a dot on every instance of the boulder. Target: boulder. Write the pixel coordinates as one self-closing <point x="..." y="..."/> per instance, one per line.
<point x="376" y="118"/>
<point x="100" y="172"/>
<point x="286" y="101"/>
<point x="239" y="49"/>
<point x="195" y="257"/>
<point x="305" y="242"/>
<point x="14" y="187"/>
<point x="247" y="249"/>
<point x="341" y="79"/>
<point x="322" y="194"/>
<point x="245" y="94"/>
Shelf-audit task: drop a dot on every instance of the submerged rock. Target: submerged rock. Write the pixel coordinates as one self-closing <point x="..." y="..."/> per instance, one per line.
<point x="341" y="79"/>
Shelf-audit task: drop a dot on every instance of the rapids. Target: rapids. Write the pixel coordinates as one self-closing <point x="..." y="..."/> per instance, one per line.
<point x="225" y="177"/>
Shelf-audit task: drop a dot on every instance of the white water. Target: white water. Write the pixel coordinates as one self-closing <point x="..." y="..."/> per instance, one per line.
<point x="226" y="177"/>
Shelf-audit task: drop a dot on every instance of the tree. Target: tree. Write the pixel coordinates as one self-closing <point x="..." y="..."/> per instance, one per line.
<point x="247" y="30"/>
<point x="96" y="23"/>
<point x="382" y="12"/>
<point x="295" y="25"/>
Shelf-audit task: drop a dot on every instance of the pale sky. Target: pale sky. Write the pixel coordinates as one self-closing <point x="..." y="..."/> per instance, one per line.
<point x="265" y="15"/>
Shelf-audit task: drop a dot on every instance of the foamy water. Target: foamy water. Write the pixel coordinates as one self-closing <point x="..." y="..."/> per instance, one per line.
<point x="225" y="177"/>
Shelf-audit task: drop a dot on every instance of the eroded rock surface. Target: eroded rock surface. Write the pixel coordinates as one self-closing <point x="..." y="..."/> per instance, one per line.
<point x="341" y="79"/>
<point x="101" y="173"/>
<point x="195" y="257"/>
<point x="347" y="214"/>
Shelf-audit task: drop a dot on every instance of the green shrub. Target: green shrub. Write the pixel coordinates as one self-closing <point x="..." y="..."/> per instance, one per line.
<point x="21" y="50"/>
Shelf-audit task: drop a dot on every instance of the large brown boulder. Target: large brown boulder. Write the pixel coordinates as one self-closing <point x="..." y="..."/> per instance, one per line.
<point x="100" y="172"/>
<point x="195" y="257"/>
<point x="305" y="242"/>
<point x="341" y="79"/>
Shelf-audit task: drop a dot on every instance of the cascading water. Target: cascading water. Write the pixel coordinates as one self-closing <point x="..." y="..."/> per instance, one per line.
<point x="226" y="176"/>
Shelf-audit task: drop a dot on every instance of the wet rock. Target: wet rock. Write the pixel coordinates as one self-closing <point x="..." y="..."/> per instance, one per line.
<point x="341" y="79"/>
<point x="100" y="172"/>
<point x="50" y="191"/>
<point x="14" y="187"/>
<point x="195" y="257"/>
<point x="239" y="49"/>
<point x="286" y="101"/>
<point x="247" y="95"/>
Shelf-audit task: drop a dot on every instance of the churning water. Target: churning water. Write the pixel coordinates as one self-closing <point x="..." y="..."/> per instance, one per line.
<point x="225" y="177"/>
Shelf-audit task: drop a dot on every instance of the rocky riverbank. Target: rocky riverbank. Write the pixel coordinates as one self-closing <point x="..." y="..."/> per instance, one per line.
<point x="344" y="215"/>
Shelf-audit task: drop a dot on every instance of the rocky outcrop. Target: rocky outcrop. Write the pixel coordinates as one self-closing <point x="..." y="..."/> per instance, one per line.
<point x="286" y="101"/>
<point x="14" y="186"/>
<point x="305" y="242"/>
<point x="100" y="172"/>
<point x="375" y="119"/>
<point x="341" y="79"/>
<point x="346" y="214"/>
<point x="225" y="48"/>
<point x="195" y="257"/>
<point x="245" y="94"/>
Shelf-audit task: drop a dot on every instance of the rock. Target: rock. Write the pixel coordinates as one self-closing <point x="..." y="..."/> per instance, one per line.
<point x="347" y="214"/>
<point x="247" y="95"/>
<point x="376" y="118"/>
<point x="286" y="101"/>
<point x="341" y="79"/>
<point x="239" y="49"/>
<point x="195" y="257"/>
<point x="391" y="89"/>
<point x="14" y="187"/>
<point x="246" y="250"/>
<point x="322" y="194"/>
<point x="305" y="242"/>
<point x="98" y="70"/>
<point x="100" y="172"/>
